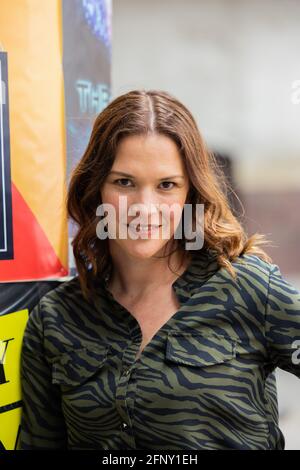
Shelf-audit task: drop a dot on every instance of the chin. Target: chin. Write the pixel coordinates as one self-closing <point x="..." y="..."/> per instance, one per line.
<point x="143" y="249"/>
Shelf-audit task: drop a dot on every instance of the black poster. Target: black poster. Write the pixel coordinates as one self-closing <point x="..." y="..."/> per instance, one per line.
<point x="6" y="233"/>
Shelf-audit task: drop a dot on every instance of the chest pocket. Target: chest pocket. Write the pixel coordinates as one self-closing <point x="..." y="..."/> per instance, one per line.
<point x="79" y="365"/>
<point x="195" y="349"/>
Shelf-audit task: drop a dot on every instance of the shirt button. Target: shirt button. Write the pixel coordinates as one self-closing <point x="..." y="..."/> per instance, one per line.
<point x="127" y="371"/>
<point x="124" y="425"/>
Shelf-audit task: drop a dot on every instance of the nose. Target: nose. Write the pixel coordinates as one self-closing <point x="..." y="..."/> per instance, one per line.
<point x="146" y="206"/>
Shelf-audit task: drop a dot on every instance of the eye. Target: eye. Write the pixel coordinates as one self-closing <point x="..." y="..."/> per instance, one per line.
<point x="122" y="182"/>
<point x="168" y="182"/>
<point x="122" y="179"/>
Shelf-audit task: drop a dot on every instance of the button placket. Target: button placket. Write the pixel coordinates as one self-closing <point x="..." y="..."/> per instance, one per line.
<point x="124" y="397"/>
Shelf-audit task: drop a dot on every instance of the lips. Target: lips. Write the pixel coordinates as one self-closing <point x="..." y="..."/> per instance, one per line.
<point x="145" y="227"/>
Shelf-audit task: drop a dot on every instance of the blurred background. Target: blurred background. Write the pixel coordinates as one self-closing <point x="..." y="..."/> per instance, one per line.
<point x="235" y="64"/>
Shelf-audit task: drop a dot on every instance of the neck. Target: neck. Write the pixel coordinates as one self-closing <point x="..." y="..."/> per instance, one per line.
<point x="138" y="278"/>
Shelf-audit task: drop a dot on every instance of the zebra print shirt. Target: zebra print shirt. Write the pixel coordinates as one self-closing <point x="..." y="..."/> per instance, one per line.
<point x="206" y="380"/>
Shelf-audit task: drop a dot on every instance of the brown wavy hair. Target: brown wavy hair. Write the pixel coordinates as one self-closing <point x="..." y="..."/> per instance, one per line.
<point x="141" y="112"/>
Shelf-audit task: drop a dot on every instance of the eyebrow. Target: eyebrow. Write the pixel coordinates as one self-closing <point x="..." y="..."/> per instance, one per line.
<point x="131" y="176"/>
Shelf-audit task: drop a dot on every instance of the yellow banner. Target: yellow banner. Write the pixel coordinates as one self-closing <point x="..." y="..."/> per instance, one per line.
<point x="12" y="328"/>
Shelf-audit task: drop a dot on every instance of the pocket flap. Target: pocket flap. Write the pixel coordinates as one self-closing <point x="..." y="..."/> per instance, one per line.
<point x="74" y="367"/>
<point x="195" y="349"/>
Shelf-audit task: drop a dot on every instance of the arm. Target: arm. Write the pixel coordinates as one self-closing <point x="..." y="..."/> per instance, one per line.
<point x="42" y="423"/>
<point x="283" y="323"/>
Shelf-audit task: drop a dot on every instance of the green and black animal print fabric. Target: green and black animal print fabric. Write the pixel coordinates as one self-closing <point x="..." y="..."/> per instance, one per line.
<point x="206" y="380"/>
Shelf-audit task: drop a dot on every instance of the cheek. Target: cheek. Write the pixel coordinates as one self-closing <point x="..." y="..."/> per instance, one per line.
<point x="109" y="196"/>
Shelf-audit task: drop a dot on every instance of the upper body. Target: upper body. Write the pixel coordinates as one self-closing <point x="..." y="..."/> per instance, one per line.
<point x="205" y="380"/>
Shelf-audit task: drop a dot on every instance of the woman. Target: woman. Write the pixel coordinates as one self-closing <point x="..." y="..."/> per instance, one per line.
<point x="157" y="345"/>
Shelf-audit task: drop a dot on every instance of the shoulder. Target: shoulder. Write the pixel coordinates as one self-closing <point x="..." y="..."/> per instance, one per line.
<point x="66" y="291"/>
<point x="254" y="265"/>
<point x="253" y="273"/>
<point x="264" y="272"/>
<point x="262" y="278"/>
<point x="250" y="282"/>
<point x="62" y="304"/>
<point x="245" y="266"/>
<point x="47" y="311"/>
<point x="64" y="320"/>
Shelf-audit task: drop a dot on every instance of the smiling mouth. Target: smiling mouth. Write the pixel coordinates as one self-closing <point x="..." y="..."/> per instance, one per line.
<point x="144" y="227"/>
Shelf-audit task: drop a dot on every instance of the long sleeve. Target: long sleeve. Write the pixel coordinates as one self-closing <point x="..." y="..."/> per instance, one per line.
<point x="42" y="423"/>
<point x="283" y="323"/>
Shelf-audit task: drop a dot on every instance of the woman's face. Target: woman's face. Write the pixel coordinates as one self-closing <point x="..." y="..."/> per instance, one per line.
<point x="148" y="171"/>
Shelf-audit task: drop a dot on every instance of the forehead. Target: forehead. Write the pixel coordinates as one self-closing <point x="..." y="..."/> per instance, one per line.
<point x="154" y="152"/>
